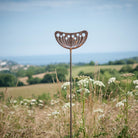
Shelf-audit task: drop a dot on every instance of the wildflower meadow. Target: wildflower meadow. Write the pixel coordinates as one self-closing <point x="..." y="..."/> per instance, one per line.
<point x="101" y="108"/>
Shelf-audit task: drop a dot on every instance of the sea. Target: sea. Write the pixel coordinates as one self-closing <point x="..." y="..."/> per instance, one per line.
<point x="100" y="58"/>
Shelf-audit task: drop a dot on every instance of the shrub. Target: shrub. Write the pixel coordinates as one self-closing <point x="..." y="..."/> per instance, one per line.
<point x="7" y="80"/>
<point x="34" y="80"/>
<point x="20" y="83"/>
<point x="61" y="73"/>
<point x="49" y="78"/>
<point x="125" y="69"/>
<point x="45" y="97"/>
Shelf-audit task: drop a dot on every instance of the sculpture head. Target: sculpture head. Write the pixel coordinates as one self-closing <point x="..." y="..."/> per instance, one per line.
<point x="71" y="40"/>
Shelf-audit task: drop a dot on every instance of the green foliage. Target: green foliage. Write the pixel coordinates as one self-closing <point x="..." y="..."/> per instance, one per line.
<point x="20" y="83"/>
<point x="21" y="73"/>
<point x="1" y="96"/>
<point x="125" y="69"/>
<point x="45" y="97"/>
<point x="124" y="61"/>
<point x="81" y="73"/>
<point x="52" y="67"/>
<point x="130" y="61"/>
<point x="34" y="80"/>
<point x="61" y="73"/>
<point x="92" y="63"/>
<point x="7" y="80"/>
<point x="105" y="74"/>
<point x="90" y="74"/>
<point x="49" y="78"/>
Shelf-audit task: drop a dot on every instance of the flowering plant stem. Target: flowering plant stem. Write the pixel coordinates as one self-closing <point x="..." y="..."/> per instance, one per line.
<point x="83" y="117"/>
<point x="126" y="110"/>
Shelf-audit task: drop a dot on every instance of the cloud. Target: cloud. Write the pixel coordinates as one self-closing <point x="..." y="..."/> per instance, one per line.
<point x="33" y="4"/>
<point x="26" y="5"/>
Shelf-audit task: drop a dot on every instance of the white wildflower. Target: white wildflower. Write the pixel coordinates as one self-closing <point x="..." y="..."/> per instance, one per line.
<point x="55" y="113"/>
<point x="101" y="117"/>
<point x="26" y="100"/>
<point x="130" y="93"/>
<point x="25" y="103"/>
<point x="33" y="100"/>
<point x="48" y="114"/>
<point x="12" y="112"/>
<point x="136" y="87"/>
<point x="98" y="110"/>
<point x="81" y="121"/>
<point x="120" y="104"/>
<point x="124" y="101"/>
<point x="21" y="102"/>
<point x="83" y="90"/>
<point x="99" y="83"/>
<point x="41" y="105"/>
<point x="135" y="82"/>
<point x="67" y="105"/>
<point x="32" y="103"/>
<point x="54" y="102"/>
<point x="1" y="111"/>
<point x="68" y="96"/>
<point x="65" y="85"/>
<point x="41" y="101"/>
<point x="84" y="82"/>
<point x="136" y="93"/>
<point x="114" y="100"/>
<point x="111" y="80"/>
<point x="30" y="112"/>
<point x="5" y="106"/>
<point x="14" y="101"/>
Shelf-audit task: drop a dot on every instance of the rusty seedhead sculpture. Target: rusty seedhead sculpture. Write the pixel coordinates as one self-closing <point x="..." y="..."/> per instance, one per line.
<point x="71" y="41"/>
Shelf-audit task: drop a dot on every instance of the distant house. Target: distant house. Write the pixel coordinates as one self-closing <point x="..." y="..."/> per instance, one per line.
<point x="4" y="69"/>
<point x="3" y="63"/>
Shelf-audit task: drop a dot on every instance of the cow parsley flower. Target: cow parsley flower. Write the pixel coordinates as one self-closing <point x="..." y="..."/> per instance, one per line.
<point x="84" y="82"/>
<point x="98" y="110"/>
<point x="26" y="100"/>
<point x="33" y="100"/>
<point x="40" y="101"/>
<point x="67" y="105"/>
<point x="14" y="101"/>
<point x="111" y="80"/>
<point x="101" y="117"/>
<point x="130" y="93"/>
<point x="120" y="104"/>
<point x="83" y="90"/>
<point x="55" y="113"/>
<point x="40" y="104"/>
<point x="12" y="112"/>
<point x="135" y="82"/>
<point x="21" y="102"/>
<point x="65" y="85"/>
<point x="99" y="83"/>
<point x="136" y="87"/>
<point x="54" y="102"/>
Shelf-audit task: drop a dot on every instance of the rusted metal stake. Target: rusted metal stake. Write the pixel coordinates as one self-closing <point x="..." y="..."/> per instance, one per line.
<point x="71" y="41"/>
<point x="70" y="93"/>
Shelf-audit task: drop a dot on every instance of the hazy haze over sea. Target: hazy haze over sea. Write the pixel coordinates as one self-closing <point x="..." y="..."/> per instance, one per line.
<point x="77" y="58"/>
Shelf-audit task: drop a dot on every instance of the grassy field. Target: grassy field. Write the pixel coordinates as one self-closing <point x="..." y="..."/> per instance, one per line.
<point x="87" y="69"/>
<point x="28" y="91"/>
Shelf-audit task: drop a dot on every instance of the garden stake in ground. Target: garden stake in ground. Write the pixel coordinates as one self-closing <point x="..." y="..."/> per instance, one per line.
<point x="71" y="41"/>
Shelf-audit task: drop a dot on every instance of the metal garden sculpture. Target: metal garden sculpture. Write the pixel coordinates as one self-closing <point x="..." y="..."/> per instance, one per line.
<point x="71" y="41"/>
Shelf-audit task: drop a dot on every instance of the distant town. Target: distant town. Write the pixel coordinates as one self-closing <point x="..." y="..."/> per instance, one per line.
<point x="7" y="65"/>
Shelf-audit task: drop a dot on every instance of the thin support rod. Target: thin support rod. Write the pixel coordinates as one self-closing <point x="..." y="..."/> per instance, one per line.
<point x="70" y="93"/>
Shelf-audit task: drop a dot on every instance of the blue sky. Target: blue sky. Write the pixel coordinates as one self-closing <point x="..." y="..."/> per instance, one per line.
<point x="27" y="26"/>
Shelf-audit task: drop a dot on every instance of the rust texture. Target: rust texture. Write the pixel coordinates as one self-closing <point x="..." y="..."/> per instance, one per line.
<point x="71" y="41"/>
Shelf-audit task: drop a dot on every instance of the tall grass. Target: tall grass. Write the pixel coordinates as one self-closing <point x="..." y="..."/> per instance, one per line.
<point x="103" y="109"/>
